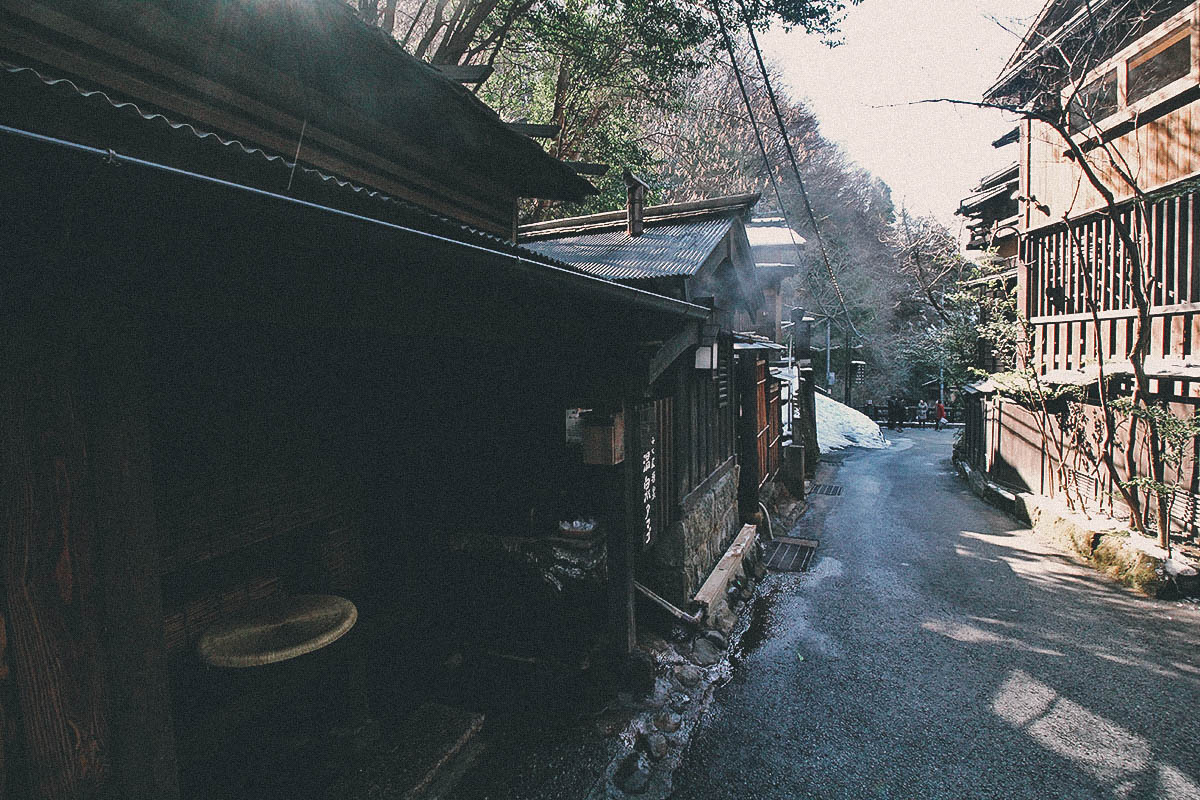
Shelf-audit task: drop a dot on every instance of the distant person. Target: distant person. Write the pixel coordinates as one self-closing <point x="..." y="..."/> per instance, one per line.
<point x="922" y="413"/>
<point x="939" y="415"/>
<point x="891" y="413"/>
<point x="901" y="412"/>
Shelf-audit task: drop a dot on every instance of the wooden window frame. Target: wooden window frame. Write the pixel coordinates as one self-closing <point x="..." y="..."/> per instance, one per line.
<point x="1167" y="90"/>
<point x="1185" y="23"/>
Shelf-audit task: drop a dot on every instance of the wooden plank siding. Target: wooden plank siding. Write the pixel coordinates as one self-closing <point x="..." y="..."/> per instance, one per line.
<point x="762" y="423"/>
<point x="1005" y="440"/>
<point x="696" y="428"/>
<point x="51" y="586"/>
<point x="1071" y="273"/>
<point x="1151" y="138"/>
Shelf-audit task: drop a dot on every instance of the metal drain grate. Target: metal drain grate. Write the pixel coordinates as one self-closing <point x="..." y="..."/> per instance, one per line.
<point x="831" y="489"/>
<point x="789" y="555"/>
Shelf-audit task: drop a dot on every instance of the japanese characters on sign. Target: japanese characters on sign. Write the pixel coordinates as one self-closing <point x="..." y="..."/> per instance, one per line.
<point x="649" y="488"/>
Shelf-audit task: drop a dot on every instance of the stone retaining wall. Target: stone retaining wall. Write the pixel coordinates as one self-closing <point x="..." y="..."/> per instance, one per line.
<point x="681" y="559"/>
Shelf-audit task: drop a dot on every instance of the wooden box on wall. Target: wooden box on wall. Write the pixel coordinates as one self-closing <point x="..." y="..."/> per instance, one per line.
<point x="604" y="439"/>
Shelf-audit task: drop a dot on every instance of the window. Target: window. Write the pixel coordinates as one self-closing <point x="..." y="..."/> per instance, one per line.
<point x="1157" y="66"/>
<point x="1093" y="102"/>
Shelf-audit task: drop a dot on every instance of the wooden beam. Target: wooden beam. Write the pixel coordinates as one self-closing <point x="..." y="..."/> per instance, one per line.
<point x="622" y="619"/>
<point x="465" y="73"/>
<point x="51" y="596"/>
<point x="585" y="168"/>
<point x="672" y="349"/>
<point x="534" y="130"/>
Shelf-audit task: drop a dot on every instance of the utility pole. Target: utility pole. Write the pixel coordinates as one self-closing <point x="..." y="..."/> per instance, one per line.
<point x="828" y="355"/>
<point x="848" y="376"/>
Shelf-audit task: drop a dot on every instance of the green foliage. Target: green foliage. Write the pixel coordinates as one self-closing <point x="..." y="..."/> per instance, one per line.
<point x="606" y="71"/>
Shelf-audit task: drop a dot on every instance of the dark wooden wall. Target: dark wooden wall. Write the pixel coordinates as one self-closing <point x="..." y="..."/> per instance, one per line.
<point x="82" y="598"/>
<point x="171" y="349"/>
<point x="698" y="426"/>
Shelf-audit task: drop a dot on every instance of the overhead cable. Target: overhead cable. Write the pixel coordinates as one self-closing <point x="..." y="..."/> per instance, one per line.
<point x="812" y="217"/>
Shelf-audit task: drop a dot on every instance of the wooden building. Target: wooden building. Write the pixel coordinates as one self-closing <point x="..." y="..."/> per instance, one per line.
<point x="777" y="257"/>
<point x="776" y="251"/>
<point x="250" y="252"/>
<point x="991" y="238"/>
<point x="1130" y="90"/>
<point x="698" y="252"/>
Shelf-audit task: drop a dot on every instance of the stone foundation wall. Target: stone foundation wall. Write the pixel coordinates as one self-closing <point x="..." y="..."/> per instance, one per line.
<point x="683" y="556"/>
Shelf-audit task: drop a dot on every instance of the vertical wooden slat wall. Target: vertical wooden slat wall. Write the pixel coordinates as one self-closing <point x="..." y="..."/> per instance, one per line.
<point x="665" y="456"/>
<point x="1088" y="265"/>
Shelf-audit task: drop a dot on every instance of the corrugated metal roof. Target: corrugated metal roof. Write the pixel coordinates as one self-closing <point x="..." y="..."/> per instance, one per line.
<point x="318" y="61"/>
<point x="661" y="251"/>
<point x="28" y="76"/>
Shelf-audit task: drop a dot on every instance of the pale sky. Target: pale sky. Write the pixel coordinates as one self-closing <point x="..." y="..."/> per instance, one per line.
<point x="896" y="52"/>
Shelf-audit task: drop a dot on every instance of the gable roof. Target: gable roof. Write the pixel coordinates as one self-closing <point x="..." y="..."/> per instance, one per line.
<point x="677" y="240"/>
<point x="772" y="232"/>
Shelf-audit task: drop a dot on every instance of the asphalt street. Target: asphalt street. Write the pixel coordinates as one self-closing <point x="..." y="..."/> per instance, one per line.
<point x="936" y="649"/>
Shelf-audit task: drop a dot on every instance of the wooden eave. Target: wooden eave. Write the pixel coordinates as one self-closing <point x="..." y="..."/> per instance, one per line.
<point x="733" y="250"/>
<point x="267" y="108"/>
<point x="1030" y="55"/>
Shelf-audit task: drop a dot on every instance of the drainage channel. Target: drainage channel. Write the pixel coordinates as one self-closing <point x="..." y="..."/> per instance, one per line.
<point x="787" y="554"/>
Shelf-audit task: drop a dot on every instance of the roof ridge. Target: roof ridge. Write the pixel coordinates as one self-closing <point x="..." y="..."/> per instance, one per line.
<point x="659" y="214"/>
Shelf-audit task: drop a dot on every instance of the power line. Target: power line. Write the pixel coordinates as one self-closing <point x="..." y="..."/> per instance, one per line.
<point x="812" y="217"/>
<point x="762" y="148"/>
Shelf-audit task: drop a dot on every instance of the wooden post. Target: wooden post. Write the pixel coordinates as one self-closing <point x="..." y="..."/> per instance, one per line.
<point x="51" y="596"/>
<point x="621" y="542"/>
<point x="81" y="590"/>
<point x="624" y="537"/>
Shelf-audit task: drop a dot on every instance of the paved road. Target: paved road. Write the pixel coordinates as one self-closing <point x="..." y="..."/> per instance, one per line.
<point x="949" y="654"/>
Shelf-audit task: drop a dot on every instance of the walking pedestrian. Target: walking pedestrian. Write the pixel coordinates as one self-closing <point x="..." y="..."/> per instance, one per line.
<point x="940" y="414"/>
<point x="922" y="413"/>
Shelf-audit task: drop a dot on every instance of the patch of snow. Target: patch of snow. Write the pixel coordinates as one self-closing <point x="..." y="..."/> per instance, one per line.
<point x="840" y="426"/>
